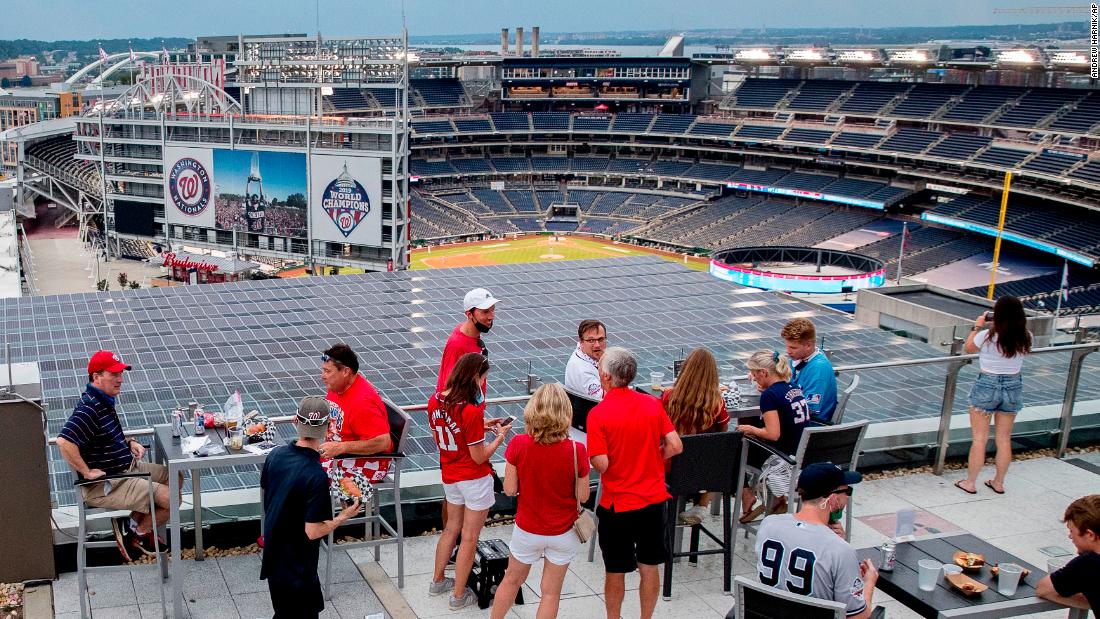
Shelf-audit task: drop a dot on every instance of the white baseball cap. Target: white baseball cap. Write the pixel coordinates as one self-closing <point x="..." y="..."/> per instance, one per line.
<point x="480" y="298"/>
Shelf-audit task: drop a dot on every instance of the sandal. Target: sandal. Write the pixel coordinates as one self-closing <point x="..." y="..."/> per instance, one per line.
<point x="989" y="484"/>
<point x="754" y="514"/>
<point x="958" y="485"/>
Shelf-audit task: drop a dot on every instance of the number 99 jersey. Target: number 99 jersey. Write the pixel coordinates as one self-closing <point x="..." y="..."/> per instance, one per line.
<point x="809" y="559"/>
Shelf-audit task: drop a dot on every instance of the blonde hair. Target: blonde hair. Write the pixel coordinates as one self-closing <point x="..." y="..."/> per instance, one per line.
<point x="694" y="402"/>
<point x="772" y="362"/>
<point x="548" y="414"/>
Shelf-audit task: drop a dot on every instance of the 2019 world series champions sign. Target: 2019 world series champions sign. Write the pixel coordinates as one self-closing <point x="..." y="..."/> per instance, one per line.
<point x="264" y="192"/>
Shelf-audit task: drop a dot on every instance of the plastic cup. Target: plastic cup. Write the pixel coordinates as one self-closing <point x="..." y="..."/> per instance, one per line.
<point x="236" y="437"/>
<point x="928" y="574"/>
<point x="951" y="568"/>
<point x="1056" y="563"/>
<point x="1008" y="578"/>
<point x="657" y="378"/>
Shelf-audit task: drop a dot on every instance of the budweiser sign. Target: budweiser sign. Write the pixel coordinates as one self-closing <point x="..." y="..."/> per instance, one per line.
<point x="170" y="260"/>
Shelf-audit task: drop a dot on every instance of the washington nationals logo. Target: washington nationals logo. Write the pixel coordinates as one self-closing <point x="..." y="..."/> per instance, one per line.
<point x="189" y="187"/>
<point x="346" y="202"/>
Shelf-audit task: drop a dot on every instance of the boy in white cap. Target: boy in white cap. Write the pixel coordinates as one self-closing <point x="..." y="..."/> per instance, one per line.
<point x="298" y="513"/>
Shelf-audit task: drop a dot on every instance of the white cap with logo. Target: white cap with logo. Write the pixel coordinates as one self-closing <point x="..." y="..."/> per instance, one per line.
<point x="480" y="298"/>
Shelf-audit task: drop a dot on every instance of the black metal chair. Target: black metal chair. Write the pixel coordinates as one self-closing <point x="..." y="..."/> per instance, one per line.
<point x="710" y="462"/>
<point x="839" y="444"/>
<point x="84" y="542"/>
<point x="373" y="521"/>
<point x="582" y="405"/>
<point x="754" y="600"/>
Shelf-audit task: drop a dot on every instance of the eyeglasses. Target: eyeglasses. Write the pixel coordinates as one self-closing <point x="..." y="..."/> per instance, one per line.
<point x="847" y="491"/>
<point x="594" y="340"/>
<point x="311" y="422"/>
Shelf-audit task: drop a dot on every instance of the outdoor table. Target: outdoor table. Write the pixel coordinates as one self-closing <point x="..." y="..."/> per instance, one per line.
<point x="945" y="600"/>
<point x="169" y="452"/>
<point x="750" y="403"/>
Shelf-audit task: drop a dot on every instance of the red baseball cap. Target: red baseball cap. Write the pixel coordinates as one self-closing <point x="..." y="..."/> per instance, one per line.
<point x="106" y="360"/>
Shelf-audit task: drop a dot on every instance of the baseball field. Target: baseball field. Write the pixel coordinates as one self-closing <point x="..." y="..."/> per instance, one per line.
<point x="533" y="249"/>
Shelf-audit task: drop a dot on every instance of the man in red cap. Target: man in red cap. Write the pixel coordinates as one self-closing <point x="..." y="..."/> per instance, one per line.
<point x="93" y="444"/>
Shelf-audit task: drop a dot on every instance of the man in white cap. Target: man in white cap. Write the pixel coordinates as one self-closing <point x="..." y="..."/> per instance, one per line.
<point x="298" y="513"/>
<point x="480" y="308"/>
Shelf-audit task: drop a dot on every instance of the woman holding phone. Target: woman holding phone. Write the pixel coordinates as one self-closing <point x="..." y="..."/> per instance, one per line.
<point x="466" y="441"/>
<point x="997" y="395"/>
<point x="549" y="473"/>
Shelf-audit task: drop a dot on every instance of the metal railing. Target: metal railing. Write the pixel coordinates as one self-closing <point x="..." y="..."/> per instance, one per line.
<point x="955" y="362"/>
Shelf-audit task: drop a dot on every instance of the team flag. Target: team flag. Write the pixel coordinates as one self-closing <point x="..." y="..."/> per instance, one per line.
<point x="102" y="54"/>
<point x="133" y="56"/>
<point x="1065" y="281"/>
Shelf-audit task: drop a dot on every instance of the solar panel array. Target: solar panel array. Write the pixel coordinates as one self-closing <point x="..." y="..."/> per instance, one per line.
<point x="264" y="338"/>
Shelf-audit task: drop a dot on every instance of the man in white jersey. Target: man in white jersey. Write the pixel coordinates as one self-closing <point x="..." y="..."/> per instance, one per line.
<point x="801" y="554"/>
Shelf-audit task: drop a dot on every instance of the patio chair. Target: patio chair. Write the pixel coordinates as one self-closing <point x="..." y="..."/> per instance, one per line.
<point x="372" y="520"/>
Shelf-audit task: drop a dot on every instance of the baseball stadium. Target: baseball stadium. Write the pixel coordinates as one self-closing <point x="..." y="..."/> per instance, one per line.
<point x="288" y="192"/>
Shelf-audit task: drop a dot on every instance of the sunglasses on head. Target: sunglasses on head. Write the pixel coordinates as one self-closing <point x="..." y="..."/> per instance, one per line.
<point x="311" y="422"/>
<point x="339" y="364"/>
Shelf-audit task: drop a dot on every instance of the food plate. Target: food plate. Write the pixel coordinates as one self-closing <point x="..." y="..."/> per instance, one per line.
<point x="348" y="485"/>
<point x="965" y="584"/>
<point x="969" y="561"/>
<point x="258" y="429"/>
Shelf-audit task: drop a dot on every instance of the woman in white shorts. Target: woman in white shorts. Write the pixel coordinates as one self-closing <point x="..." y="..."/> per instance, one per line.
<point x="548" y="471"/>
<point x="466" y="441"/>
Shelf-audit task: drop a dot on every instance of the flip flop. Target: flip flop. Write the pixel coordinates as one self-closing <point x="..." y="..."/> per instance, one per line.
<point x="957" y="485"/>
<point x="989" y="484"/>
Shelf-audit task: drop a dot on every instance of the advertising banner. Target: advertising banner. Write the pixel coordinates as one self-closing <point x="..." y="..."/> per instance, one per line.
<point x="189" y="186"/>
<point x="347" y="199"/>
<point x="261" y="192"/>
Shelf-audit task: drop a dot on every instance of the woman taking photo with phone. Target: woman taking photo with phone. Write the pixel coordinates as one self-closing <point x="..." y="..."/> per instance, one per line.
<point x="548" y="471"/>
<point x="466" y="441"/>
<point x="998" y="392"/>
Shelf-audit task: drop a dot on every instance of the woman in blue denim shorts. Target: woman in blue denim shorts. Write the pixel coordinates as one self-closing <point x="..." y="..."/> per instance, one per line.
<point x="998" y="392"/>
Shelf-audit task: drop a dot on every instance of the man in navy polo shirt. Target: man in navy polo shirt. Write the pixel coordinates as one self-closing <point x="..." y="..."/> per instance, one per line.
<point x="298" y="513"/>
<point x="93" y="444"/>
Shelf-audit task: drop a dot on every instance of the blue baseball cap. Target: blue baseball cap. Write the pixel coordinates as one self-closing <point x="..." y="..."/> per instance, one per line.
<point x="821" y="478"/>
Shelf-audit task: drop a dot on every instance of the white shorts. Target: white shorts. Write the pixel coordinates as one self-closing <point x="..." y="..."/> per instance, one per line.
<point x="528" y="548"/>
<point x="475" y="494"/>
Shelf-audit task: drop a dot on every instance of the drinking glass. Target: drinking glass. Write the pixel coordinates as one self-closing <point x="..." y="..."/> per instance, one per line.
<point x="236" y="437"/>
<point x="1008" y="578"/>
<point x="928" y="574"/>
<point x="657" y="378"/>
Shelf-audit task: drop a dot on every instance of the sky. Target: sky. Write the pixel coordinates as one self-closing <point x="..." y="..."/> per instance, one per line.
<point x="120" y="19"/>
<point x="282" y="173"/>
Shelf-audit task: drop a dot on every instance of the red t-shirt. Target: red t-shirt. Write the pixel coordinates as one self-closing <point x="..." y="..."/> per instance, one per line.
<point x="627" y="427"/>
<point x="358" y="414"/>
<point x="457" y="345"/>
<point x="454" y="433"/>
<point x="722" y="417"/>
<point x="547" y="503"/>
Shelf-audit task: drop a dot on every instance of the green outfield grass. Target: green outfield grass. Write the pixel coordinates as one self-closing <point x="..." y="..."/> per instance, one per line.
<point x="529" y="249"/>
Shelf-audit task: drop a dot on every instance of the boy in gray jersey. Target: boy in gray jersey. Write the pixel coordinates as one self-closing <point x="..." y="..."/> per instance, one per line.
<point x="802" y="554"/>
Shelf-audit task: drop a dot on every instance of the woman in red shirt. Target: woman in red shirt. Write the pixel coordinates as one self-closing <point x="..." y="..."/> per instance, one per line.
<point x="540" y="470"/>
<point x="456" y="418"/>
<point x="695" y="406"/>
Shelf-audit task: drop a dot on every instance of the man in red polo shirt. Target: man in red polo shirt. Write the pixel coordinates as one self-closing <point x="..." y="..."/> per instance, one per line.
<point x="480" y="308"/>
<point x="358" y="423"/>
<point x="629" y="438"/>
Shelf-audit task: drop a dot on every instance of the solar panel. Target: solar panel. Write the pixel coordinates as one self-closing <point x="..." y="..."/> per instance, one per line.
<point x="264" y="337"/>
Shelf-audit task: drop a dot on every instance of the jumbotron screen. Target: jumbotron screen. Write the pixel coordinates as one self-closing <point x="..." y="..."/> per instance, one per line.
<point x="787" y="282"/>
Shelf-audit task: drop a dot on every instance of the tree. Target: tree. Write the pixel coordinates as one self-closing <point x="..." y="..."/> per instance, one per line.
<point x="102" y="285"/>
<point x="296" y="200"/>
<point x="26" y="82"/>
<point x="135" y="285"/>
<point x="5" y="83"/>
<point x="123" y="280"/>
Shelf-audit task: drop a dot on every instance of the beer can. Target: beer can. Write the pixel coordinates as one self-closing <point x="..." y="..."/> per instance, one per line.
<point x="200" y="422"/>
<point x="176" y="422"/>
<point x="889" y="557"/>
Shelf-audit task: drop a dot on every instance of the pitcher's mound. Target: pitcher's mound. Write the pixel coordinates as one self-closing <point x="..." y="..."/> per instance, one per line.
<point x="551" y="256"/>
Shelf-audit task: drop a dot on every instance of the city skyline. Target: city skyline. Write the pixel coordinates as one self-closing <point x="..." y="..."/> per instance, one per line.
<point x="425" y="17"/>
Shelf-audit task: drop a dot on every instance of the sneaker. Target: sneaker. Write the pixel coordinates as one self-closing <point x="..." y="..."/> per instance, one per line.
<point x="444" y="586"/>
<point x="144" y="544"/>
<point x="123" y="537"/>
<point x="693" y="516"/>
<point x="466" y="600"/>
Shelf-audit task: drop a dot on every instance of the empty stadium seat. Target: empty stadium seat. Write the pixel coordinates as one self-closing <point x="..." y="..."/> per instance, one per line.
<point x="857" y="140"/>
<point x="550" y="121"/>
<point x="910" y="140"/>
<point x="763" y="93"/>
<point x="759" y="132"/>
<point x="959" y="146"/>
<point x="818" y="95"/>
<point x="511" y="121"/>
<point x="671" y="123"/>
<point x="632" y="123"/>
<point x="473" y="125"/>
<point x="812" y="136"/>
<point x="871" y="97"/>
<point x="591" y="123"/>
<point x="439" y="92"/>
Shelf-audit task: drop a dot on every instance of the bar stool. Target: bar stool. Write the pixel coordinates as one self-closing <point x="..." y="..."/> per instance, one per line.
<point x="83" y="542"/>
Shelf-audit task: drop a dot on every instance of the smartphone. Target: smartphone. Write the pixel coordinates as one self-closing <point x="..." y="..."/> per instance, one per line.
<point x="989" y="315"/>
<point x="508" y="420"/>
